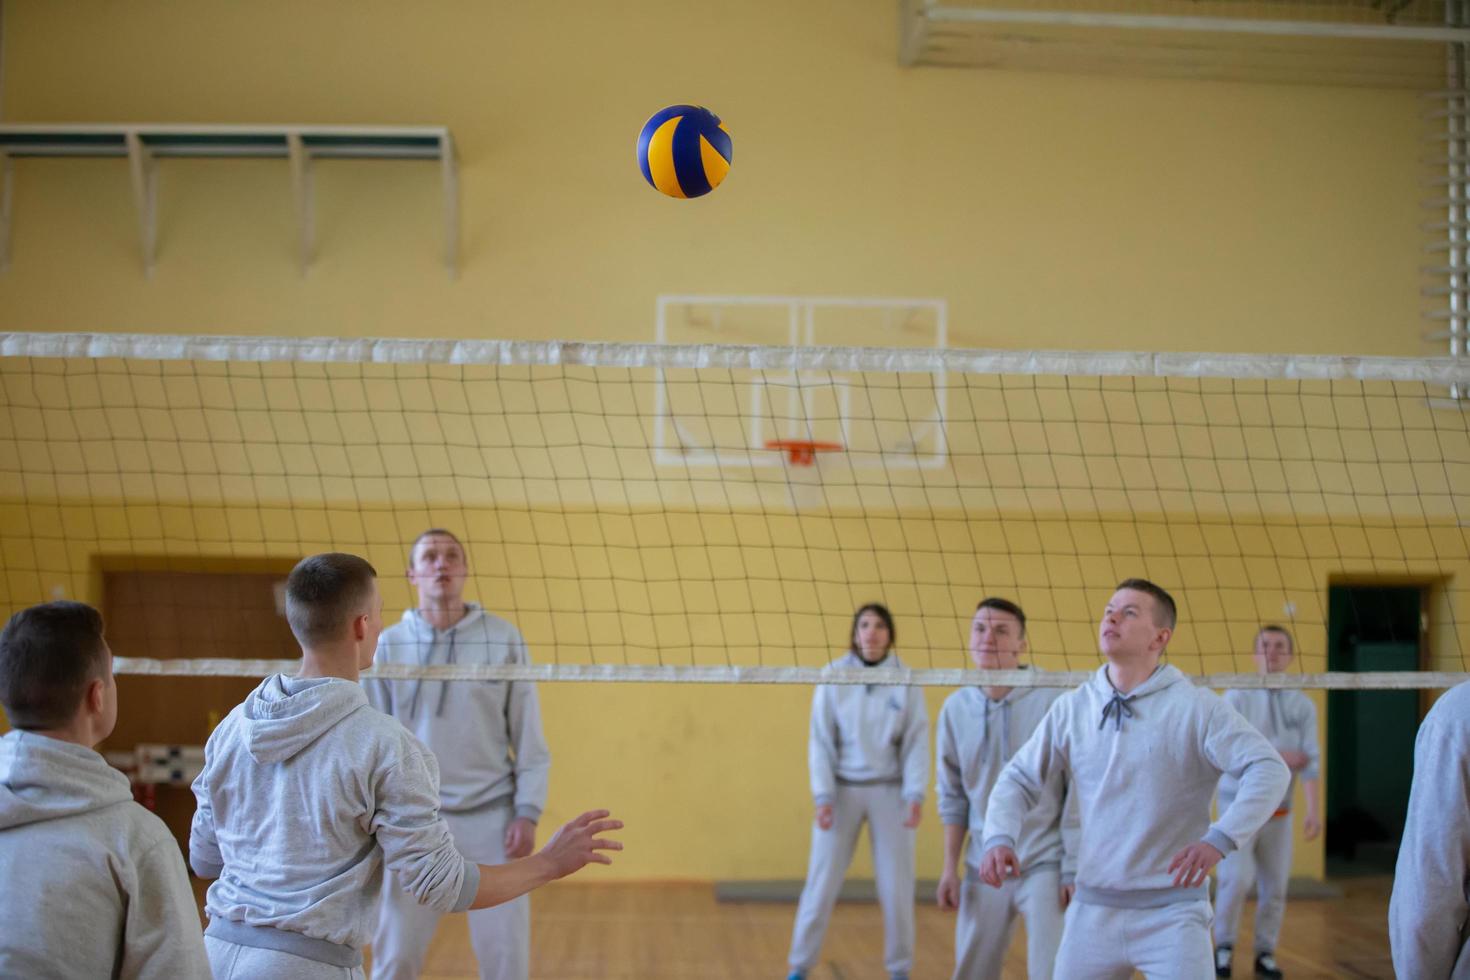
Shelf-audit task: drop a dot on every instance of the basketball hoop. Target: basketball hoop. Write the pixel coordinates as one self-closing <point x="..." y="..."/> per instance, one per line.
<point x="802" y="452"/>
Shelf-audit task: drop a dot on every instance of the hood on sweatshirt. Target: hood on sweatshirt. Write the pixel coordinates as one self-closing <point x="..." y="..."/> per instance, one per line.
<point x="45" y="778"/>
<point x="284" y="714"/>
<point x="424" y="630"/>
<point x="1117" y="705"/>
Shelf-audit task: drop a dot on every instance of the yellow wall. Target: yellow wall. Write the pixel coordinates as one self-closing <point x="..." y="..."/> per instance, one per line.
<point x="1050" y="211"/>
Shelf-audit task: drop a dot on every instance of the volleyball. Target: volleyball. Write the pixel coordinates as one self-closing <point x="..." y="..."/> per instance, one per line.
<point x="684" y="151"/>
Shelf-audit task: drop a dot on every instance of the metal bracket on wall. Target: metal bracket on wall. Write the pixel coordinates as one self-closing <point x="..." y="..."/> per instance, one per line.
<point x="143" y="145"/>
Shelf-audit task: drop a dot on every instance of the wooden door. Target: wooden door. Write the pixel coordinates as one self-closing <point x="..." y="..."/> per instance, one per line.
<point x="187" y="615"/>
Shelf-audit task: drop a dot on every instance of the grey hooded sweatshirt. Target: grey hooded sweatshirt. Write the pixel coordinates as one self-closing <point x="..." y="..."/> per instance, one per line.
<point x="1429" y="914"/>
<point x="868" y="733"/>
<point x="1144" y="767"/>
<point x="486" y="735"/>
<point x="976" y="738"/>
<point x="306" y="792"/>
<point x="94" y="885"/>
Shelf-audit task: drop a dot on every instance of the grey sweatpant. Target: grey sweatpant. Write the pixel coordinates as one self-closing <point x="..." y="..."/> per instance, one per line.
<point x="1171" y="942"/>
<point x="231" y="961"/>
<point x="1267" y="859"/>
<point x="987" y="917"/>
<point x="501" y="936"/>
<point x="882" y="806"/>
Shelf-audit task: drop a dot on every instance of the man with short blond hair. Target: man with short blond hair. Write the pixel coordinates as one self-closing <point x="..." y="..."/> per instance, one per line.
<point x="307" y="792"/>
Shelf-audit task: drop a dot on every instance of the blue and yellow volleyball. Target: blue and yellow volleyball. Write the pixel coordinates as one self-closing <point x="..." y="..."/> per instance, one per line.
<point x="684" y="151"/>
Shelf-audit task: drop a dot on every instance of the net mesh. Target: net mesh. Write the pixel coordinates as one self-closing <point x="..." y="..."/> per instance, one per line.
<point x="618" y="503"/>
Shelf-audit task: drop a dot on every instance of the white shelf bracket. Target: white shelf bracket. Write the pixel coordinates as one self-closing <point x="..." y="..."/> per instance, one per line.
<point x="145" y="196"/>
<point x="450" y="162"/>
<point x="305" y="211"/>
<point x="913" y="30"/>
<point x="7" y="196"/>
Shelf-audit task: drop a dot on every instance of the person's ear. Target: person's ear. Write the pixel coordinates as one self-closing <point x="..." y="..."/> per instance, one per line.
<point x="360" y="627"/>
<point x="1162" y="638"/>
<point x="96" y="696"/>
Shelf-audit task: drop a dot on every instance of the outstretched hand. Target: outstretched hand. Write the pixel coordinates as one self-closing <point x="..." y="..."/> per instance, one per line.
<point x="577" y="844"/>
<point x="1192" y="865"/>
<point x="999" y="863"/>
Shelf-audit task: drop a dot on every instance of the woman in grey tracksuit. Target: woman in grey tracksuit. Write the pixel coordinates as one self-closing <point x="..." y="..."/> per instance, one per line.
<point x="869" y="760"/>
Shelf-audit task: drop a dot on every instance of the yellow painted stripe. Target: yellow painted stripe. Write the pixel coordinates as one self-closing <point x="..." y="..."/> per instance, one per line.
<point x="715" y="166"/>
<point x="661" y="159"/>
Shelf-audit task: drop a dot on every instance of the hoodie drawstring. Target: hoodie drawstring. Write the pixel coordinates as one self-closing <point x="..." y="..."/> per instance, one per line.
<point x="1004" y="707"/>
<point x="413" y="702"/>
<point x="418" y="683"/>
<point x="1118" y="707"/>
<point x="1005" y="729"/>
<point x="444" y="685"/>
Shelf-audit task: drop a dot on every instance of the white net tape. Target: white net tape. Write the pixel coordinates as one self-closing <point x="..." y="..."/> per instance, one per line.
<point x="209" y="667"/>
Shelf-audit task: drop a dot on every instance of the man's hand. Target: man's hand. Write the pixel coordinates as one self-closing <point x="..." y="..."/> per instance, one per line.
<point x="915" y="814"/>
<point x="824" y="816"/>
<point x="1192" y="865"/>
<point x="1311" y="827"/>
<point x="999" y="863"/>
<point x="1295" y="761"/>
<point x="1065" y="893"/>
<point x="576" y="845"/>
<point x="520" y="838"/>
<point x="947" y="895"/>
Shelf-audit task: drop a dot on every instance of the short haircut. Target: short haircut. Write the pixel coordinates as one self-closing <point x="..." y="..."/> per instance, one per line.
<point x="326" y="592"/>
<point x="1005" y="606"/>
<point x="1273" y="628"/>
<point x="879" y="610"/>
<point x="49" y="654"/>
<point x="1168" y="612"/>
<point x="433" y="532"/>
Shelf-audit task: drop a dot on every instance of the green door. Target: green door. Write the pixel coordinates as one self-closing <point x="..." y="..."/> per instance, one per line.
<point x="1370" y="734"/>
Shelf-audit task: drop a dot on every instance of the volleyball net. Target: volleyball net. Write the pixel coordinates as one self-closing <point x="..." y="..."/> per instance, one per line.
<point x="715" y="513"/>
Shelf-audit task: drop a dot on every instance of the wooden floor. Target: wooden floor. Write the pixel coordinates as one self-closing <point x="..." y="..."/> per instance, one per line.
<point x="645" y="931"/>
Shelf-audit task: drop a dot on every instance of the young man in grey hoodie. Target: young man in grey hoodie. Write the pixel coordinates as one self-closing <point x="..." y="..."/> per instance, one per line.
<point x="1144" y="749"/>
<point x="1288" y="719"/>
<point x="307" y="791"/>
<point x="1429" y="913"/>
<point x="979" y="730"/>
<point x="94" y="885"/>
<point x="493" y="758"/>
